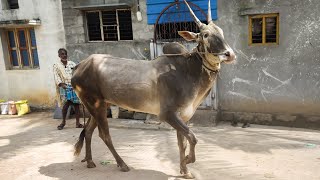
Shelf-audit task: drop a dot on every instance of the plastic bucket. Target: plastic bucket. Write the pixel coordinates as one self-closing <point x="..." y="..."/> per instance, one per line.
<point x="22" y="107"/>
<point x="4" y="107"/>
<point x="114" y="112"/>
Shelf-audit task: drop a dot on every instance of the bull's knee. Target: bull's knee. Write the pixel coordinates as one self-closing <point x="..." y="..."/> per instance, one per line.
<point x="193" y="139"/>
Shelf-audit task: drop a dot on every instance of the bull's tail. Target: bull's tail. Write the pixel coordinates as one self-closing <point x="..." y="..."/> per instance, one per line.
<point x="78" y="146"/>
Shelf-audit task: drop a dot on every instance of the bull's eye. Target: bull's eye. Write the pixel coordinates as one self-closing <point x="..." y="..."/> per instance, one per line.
<point x="206" y="35"/>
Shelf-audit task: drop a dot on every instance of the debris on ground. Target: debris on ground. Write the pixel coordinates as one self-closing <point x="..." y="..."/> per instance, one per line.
<point x="269" y="175"/>
<point x="105" y="162"/>
<point x="310" y="145"/>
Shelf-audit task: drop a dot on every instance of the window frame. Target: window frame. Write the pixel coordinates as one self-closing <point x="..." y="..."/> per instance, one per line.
<point x="263" y="16"/>
<point x="101" y="24"/>
<point x="18" y="49"/>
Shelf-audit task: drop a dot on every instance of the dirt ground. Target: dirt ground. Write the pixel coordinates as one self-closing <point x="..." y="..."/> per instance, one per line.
<point x="32" y="148"/>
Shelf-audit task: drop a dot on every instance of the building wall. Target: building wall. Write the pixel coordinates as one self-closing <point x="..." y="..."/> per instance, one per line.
<point x="78" y="46"/>
<point x="268" y="83"/>
<point x="272" y="79"/>
<point x="35" y="85"/>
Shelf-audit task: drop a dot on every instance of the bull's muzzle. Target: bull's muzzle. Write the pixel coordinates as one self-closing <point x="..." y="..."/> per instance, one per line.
<point x="228" y="57"/>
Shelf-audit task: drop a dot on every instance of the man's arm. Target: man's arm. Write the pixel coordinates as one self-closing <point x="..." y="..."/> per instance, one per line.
<point x="57" y="77"/>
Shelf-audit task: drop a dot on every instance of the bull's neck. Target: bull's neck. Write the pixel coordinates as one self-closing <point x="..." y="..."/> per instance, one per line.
<point x="206" y="75"/>
<point x="209" y="61"/>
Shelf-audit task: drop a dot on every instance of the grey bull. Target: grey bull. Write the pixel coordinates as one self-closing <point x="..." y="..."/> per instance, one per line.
<point x="171" y="87"/>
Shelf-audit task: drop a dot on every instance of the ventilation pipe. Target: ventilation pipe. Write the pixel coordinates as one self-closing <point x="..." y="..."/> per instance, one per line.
<point x="139" y="15"/>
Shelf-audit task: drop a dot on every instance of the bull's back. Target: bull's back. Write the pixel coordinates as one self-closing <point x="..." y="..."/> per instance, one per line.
<point x="124" y="82"/>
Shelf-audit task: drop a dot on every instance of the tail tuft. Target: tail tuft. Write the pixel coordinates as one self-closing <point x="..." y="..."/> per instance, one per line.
<point x="78" y="146"/>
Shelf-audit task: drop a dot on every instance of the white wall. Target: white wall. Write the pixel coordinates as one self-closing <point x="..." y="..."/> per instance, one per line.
<point x="36" y="85"/>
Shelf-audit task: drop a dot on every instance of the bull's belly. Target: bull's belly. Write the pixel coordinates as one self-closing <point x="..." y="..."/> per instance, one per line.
<point x="142" y="107"/>
<point x="135" y="97"/>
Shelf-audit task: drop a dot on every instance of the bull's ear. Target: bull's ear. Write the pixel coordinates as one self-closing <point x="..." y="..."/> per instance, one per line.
<point x="189" y="36"/>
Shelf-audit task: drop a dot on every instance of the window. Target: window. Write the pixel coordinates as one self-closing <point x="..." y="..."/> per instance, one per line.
<point x="22" y="48"/>
<point x="109" y="25"/>
<point x="264" y="29"/>
<point x="173" y="17"/>
<point x="13" y="4"/>
<point x="169" y="31"/>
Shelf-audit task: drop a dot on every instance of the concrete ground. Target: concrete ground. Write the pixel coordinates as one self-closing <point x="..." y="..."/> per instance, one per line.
<point x="32" y="148"/>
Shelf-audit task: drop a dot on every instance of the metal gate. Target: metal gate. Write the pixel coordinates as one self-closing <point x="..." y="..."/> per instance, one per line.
<point x="176" y="17"/>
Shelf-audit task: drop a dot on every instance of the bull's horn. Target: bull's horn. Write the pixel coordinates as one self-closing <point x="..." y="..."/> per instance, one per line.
<point x="198" y="22"/>
<point x="209" y="19"/>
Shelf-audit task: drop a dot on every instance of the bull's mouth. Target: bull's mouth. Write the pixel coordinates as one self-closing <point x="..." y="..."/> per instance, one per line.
<point x="227" y="56"/>
<point x="215" y="59"/>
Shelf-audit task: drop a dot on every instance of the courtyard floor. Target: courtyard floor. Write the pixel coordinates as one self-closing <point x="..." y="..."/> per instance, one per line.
<point x="32" y="148"/>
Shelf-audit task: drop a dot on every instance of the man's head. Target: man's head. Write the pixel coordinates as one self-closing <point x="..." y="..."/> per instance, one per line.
<point x="63" y="54"/>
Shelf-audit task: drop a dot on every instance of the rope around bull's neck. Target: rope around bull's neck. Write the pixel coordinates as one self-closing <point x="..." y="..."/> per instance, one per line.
<point x="204" y="61"/>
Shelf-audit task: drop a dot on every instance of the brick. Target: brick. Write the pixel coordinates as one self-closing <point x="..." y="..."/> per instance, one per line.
<point x="140" y="116"/>
<point x="243" y="116"/>
<point x="204" y="118"/>
<point x="77" y="30"/>
<point x="313" y="119"/>
<point x="260" y="117"/>
<point x="286" y="118"/>
<point x="227" y="116"/>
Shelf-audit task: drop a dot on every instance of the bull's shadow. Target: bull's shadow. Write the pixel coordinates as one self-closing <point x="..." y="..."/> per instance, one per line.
<point x="76" y="170"/>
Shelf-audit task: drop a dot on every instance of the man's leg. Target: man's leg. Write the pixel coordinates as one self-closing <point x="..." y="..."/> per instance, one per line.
<point x="64" y="115"/>
<point x="77" y="111"/>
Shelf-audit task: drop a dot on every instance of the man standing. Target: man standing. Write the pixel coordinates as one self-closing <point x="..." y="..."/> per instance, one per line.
<point x="62" y="75"/>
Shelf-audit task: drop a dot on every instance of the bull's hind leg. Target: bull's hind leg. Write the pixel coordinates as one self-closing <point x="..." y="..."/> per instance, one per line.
<point x="105" y="136"/>
<point x="99" y="112"/>
<point x="183" y="131"/>
<point x="89" y="128"/>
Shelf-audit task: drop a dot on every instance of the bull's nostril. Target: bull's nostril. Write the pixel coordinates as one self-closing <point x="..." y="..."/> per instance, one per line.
<point x="227" y="53"/>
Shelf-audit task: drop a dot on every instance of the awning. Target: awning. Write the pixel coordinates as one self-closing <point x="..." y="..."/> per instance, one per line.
<point x="102" y="6"/>
<point x="20" y="23"/>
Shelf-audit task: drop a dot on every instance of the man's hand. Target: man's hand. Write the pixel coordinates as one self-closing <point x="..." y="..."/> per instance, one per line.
<point x="63" y="85"/>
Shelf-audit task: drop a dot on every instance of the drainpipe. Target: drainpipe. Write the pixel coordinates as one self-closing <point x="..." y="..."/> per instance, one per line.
<point x="139" y="16"/>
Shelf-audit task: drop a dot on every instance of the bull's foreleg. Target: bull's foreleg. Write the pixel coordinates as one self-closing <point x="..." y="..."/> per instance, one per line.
<point x="89" y="128"/>
<point x="183" y="131"/>
<point x="182" y="143"/>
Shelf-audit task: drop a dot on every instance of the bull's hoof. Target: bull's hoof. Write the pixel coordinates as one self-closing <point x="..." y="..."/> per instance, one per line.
<point x="90" y="164"/>
<point x="188" y="176"/>
<point x="124" y="168"/>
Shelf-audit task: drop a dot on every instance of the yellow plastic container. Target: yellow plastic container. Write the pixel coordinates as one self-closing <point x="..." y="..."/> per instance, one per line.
<point x="22" y="107"/>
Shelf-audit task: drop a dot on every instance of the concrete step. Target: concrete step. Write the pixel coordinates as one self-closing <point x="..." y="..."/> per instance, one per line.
<point x="204" y="118"/>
